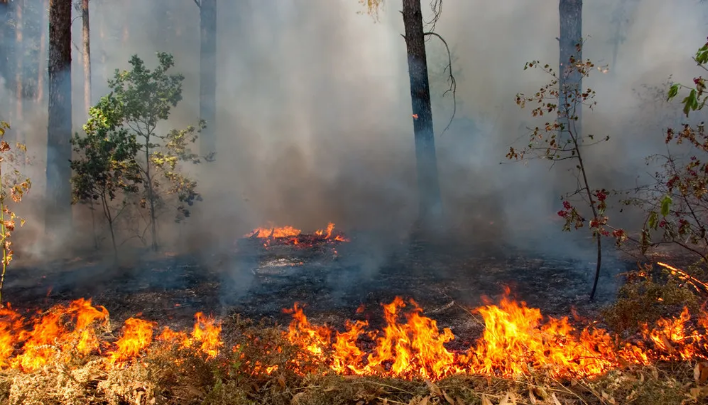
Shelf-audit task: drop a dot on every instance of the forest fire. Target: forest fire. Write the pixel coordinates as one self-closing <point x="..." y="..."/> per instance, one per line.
<point x="288" y="235"/>
<point x="516" y="340"/>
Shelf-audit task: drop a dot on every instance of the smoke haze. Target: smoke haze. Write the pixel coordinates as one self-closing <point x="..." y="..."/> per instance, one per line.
<point x="314" y="114"/>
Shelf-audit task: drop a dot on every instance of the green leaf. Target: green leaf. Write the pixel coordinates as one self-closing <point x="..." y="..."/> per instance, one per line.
<point x="673" y="91"/>
<point x="666" y="205"/>
<point x="690" y="102"/>
<point x="653" y="220"/>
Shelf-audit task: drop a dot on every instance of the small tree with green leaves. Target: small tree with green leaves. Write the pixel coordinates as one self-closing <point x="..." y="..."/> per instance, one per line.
<point x="559" y="140"/>
<point x="140" y="99"/>
<point x="106" y="169"/>
<point x="13" y="185"/>
<point x="676" y="203"/>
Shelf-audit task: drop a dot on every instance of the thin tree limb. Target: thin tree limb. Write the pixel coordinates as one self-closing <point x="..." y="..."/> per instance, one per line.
<point x="451" y="78"/>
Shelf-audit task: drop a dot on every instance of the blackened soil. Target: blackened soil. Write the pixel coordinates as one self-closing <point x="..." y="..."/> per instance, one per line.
<point x="333" y="281"/>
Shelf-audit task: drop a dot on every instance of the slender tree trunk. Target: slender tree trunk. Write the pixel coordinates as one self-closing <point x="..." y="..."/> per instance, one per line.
<point x="86" y="37"/>
<point x="4" y="23"/>
<point x="151" y="195"/>
<point x="86" y="48"/>
<point x="58" y="213"/>
<point x="427" y="168"/>
<point x="109" y="218"/>
<point x="32" y="37"/>
<point x="207" y="76"/>
<point x="43" y="41"/>
<point x="9" y="49"/>
<point x="570" y="80"/>
<point x="20" y="56"/>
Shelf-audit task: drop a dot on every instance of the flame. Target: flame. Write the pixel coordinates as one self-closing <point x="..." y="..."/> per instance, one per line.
<point x="137" y="336"/>
<point x="288" y="235"/>
<point x="273" y="232"/>
<point x="29" y="344"/>
<point x="517" y="340"/>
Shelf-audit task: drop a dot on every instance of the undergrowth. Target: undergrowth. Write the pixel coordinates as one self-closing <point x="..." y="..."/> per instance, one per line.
<point x="652" y="292"/>
<point x="177" y="375"/>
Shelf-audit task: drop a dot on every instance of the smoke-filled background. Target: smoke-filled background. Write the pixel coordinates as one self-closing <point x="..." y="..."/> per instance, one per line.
<point x="314" y="113"/>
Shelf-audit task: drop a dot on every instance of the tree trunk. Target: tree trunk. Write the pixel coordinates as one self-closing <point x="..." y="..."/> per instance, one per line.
<point x="32" y="35"/>
<point x="427" y="168"/>
<point x="86" y="36"/>
<point x="42" y="74"/>
<point x="19" y="56"/>
<point x="4" y="23"/>
<point x="58" y="210"/>
<point x="570" y="80"/>
<point x="8" y="51"/>
<point x="207" y="76"/>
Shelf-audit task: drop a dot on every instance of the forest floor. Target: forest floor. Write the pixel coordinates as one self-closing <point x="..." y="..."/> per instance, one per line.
<point x="336" y="283"/>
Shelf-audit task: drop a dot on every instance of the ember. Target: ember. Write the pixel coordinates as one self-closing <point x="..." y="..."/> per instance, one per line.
<point x="517" y="340"/>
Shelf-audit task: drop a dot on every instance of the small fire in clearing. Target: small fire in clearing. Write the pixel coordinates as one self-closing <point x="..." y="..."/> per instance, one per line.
<point x="288" y="235"/>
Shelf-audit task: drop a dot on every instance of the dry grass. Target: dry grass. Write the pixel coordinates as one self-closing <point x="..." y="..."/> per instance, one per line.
<point x="172" y="375"/>
<point x="176" y="375"/>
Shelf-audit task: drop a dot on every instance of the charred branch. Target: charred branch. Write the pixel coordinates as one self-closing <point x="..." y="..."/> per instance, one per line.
<point x="450" y="79"/>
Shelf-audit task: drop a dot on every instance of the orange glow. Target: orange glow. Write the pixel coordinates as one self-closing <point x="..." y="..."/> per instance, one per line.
<point x="137" y="336"/>
<point x="273" y="232"/>
<point x="517" y="340"/>
<point x="288" y="235"/>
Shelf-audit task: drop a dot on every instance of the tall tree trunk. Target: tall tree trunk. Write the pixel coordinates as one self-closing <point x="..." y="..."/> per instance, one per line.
<point x="427" y="167"/>
<point x="570" y="80"/>
<point x="42" y="75"/>
<point x="58" y="210"/>
<point x="86" y="37"/>
<point x="207" y="76"/>
<point x="4" y="23"/>
<point x="8" y="35"/>
<point x="20" y="56"/>
<point x="32" y="36"/>
<point x="86" y="48"/>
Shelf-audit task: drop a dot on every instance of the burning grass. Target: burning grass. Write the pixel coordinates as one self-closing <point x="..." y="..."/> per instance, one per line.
<point x="69" y="355"/>
<point x="288" y="235"/>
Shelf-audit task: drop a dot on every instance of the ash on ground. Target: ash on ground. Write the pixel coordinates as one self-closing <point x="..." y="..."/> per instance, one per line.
<point x="332" y="280"/>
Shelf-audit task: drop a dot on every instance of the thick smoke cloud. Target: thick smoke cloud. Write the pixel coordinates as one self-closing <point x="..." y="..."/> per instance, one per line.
<point x="314" y="121"/>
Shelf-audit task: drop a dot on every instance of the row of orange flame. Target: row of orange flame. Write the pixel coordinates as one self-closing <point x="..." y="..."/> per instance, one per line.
<point x="76" y="328"/>
<point x="516" y="340"/>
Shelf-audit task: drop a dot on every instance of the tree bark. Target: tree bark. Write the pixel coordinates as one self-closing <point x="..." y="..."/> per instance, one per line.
<point x="86" y="37"/>
<point x="42" y="75"/>
<point x="58" y="210"/>
<point x="19" y="56"/>
<point x="4" y="23"/>
<point x="207" y="76"/>
<point x="570" y="80"/>
<point x="8" y="51"/>
<point x="32" y="36"/>
<point x="430" y="204"/>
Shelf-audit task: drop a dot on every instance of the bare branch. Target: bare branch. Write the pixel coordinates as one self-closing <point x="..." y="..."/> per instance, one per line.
<point x="451" y="78"/>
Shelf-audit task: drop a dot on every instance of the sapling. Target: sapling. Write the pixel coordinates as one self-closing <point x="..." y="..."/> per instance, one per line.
<point x="559" y="139"/>
<point x="139" y="101"/>
<point x="106" y="168"/>
<point x="676" y="204"/>
<point x="13" y="185"/>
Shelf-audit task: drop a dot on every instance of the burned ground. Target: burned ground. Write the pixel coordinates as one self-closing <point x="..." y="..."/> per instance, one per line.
<point x="332" y="280"/>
